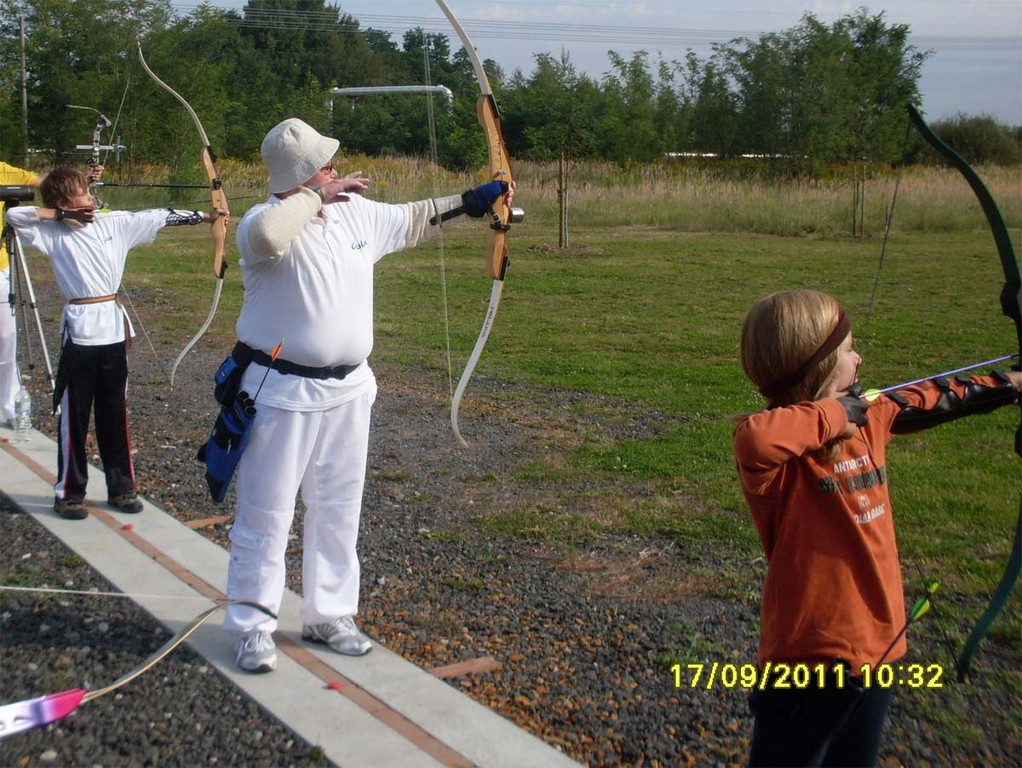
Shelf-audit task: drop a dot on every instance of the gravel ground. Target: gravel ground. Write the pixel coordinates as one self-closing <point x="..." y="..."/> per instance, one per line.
<point x="585" y="631"/>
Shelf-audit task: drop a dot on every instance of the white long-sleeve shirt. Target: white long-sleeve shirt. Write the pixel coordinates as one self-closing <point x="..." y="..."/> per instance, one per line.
<point x="307" y="269"/>
<point x="89" y="262"/>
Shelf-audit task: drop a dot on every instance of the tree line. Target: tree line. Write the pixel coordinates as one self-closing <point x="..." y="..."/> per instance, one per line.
<point x="806" y="97"/>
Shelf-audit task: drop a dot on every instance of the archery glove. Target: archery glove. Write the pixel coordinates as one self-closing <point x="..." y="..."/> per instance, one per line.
<point x="86" y="216"/>
<point x="855" y="409"/>
<point x="479" y="201"/>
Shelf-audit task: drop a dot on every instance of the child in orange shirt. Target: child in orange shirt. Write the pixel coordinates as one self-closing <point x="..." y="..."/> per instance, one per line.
<point x="814" y="473"/>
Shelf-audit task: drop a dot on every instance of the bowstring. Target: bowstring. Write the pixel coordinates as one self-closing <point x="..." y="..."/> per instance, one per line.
<point x="117" y="118"/>
<point x="111" y="134"/>
<point x="434" y="157"/>
<point x="937" y="614"/>
<point x="874" y="291"/>
<point x="888" y="221"/>
<point x="145" y="332"/>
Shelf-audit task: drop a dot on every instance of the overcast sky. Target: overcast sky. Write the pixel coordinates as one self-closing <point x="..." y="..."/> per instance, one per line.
<point x="975" y="68"/>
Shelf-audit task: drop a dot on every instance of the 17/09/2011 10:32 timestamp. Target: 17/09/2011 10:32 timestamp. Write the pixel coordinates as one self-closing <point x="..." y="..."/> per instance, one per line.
<point x="710" y="675"/>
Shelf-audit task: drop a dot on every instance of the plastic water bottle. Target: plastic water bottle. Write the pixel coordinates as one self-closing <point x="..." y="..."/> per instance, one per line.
<point x="22" y="415"/>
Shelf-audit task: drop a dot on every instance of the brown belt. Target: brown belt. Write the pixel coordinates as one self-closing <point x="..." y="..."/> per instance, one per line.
<point x="94" y="299"/>
<point x="100" y="300"/>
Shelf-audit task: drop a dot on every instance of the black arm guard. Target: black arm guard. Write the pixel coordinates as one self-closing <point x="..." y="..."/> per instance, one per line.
<point x="176" y="218"/>
<point x="977" y="398"/>
<point x="87" y="216"/>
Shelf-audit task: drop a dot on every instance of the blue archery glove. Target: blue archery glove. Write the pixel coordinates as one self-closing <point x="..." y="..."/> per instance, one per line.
<point x="479" y="201"/>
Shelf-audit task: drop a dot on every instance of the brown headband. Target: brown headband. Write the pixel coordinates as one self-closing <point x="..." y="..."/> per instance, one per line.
<point x="844" y="325"/>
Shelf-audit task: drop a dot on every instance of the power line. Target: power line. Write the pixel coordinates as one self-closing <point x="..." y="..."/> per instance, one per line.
<point x="652" y="37"/>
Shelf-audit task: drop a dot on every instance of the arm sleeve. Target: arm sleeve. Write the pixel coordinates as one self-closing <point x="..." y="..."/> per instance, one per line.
<point x="21" y="217"/>
<point x="766" y="441"/>
<point x="426" y="217"/>
<point x="271" y="230"/>
<point x="10" y="175"/>
<point x="941" y="401"/>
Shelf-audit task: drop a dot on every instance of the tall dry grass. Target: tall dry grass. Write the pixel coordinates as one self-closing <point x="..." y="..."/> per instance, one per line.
<point x="682" y="196"/>
<point x="698" y="199"/>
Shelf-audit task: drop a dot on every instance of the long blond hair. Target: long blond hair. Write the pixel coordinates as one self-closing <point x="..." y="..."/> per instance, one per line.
<point x="783" y="331"/>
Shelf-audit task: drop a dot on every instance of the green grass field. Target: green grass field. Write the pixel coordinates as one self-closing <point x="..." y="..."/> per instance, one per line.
<point x="643" y="312"/>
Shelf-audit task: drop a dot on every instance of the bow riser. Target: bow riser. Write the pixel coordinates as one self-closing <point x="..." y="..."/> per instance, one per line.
<point x="219" y="199"/>
<point x="500" y="170"/>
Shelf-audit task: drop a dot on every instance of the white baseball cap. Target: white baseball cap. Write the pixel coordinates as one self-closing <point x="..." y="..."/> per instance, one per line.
<point x="293" y="152"/>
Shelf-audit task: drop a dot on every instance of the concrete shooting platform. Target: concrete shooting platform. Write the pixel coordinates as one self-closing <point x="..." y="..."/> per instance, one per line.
<point x="388" y="712"/>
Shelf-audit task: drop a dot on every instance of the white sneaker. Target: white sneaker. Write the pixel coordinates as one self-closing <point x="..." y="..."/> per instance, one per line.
<point x="340" y="634"/>
<point x="256" y="652"/>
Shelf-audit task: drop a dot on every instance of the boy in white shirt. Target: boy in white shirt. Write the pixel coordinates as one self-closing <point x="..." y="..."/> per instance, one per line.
<point x="88" y="250"/>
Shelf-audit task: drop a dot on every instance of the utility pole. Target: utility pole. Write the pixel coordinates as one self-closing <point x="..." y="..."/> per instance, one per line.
<point x="562" y="195"/>
<point x="24" y="95"/>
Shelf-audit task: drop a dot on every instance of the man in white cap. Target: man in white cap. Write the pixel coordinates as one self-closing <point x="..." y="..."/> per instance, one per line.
<point x="307" y="258"/>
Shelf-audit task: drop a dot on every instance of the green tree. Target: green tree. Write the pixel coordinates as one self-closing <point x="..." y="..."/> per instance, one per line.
<point x="672" y="112"/>
<point x="884" y="73"/>
<point x="824" y="93"/>
<point x="78" y="53"/>
<point x="715" y="123"/>
<point x="301" y="38"/>
<point x="980" y="139"/>
<point x="552" y="112"/>
<point x="629" y="124"/>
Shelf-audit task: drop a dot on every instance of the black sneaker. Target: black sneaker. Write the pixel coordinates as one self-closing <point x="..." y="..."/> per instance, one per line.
<point x="126" y="502"/>
<point x="71" y="509"/>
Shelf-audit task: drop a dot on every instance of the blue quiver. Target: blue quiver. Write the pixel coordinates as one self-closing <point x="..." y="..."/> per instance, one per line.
<point x="227" y="440"/>
<point x="227" y="380"/>
<point x="222" y="451"/>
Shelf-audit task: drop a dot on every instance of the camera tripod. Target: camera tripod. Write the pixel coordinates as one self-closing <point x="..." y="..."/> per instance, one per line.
<point x="21" y="294"/>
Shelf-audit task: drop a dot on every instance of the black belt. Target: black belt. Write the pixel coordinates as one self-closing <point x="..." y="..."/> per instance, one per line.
<point x="243" y="351"/>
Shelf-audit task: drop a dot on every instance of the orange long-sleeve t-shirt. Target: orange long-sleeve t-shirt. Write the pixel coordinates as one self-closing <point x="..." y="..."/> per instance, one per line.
<point x="833" y="587"/>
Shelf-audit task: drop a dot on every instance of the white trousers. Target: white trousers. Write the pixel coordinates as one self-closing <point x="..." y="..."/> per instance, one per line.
<point x="9" y="380"/>
<point x="323" y="454"/>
